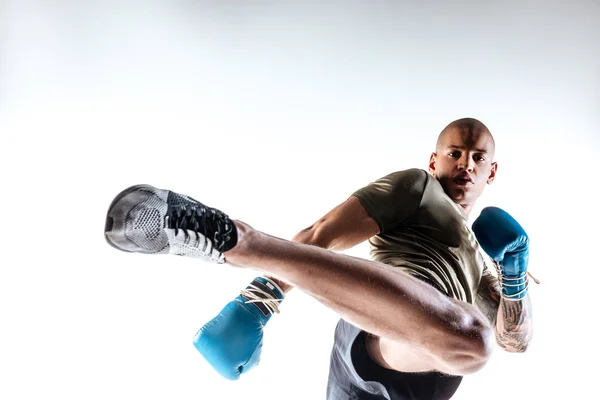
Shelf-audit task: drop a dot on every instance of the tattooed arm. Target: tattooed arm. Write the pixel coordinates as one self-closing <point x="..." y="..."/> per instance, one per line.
<point x="511" y="319"/>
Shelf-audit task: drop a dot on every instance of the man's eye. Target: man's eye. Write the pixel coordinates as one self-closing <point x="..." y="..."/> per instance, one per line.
<point x="479" y="158"/>
<point x="454" y="154"/>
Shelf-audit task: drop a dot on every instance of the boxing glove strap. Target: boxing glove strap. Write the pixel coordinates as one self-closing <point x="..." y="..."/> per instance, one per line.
<point x="514" y="287"/>
<point x="264" y="294"/>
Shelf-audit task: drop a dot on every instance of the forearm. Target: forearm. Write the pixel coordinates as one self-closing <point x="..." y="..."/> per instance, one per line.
<point x="514" y="324"/>
<point x="512" y="320"/>
<point x="507" y="244"/>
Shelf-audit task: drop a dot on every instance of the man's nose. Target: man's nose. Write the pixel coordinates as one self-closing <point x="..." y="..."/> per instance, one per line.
<point x="465" y="164"/>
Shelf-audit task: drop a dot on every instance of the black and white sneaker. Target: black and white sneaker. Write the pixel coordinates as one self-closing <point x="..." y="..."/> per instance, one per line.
<point x="144" y="219"/>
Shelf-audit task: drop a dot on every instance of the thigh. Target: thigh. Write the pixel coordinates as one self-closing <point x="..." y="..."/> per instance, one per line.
<point x="426" y="385"/>
<point x="407" y="356"/>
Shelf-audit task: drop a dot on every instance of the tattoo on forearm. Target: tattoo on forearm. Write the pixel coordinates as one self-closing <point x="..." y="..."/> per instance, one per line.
<point x="514" y="328"/>
<point x="513" y="313"/>
<point x="511" y="319"/>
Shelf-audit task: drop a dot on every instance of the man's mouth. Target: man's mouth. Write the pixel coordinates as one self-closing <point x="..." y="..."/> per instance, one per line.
<point x="463" y="180"/>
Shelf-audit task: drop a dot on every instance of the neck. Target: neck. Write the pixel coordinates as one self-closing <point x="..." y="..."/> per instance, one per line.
<point x="467" y="207"/>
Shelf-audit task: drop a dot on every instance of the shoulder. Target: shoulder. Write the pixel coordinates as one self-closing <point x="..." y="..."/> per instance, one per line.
<point x="413" y="177"/>
<point x="394" y="197"/>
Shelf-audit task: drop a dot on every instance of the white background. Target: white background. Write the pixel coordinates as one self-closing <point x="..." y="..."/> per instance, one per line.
<point x="275" y="112"/>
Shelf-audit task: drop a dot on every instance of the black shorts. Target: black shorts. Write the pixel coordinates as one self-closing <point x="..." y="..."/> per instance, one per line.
<point x="431" y="385"/>
<point x="353" y="375"/>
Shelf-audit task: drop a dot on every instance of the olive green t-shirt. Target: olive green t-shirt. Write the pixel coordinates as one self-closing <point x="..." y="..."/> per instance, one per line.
<point x="426" y="234"/>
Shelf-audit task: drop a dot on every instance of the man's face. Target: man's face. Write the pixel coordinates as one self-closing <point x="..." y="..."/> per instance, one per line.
<point x="463" y="164"/>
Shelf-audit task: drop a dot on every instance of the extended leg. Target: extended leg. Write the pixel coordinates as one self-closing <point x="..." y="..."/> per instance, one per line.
<point x="408" y="315"/>
<point x="454" y="335"/>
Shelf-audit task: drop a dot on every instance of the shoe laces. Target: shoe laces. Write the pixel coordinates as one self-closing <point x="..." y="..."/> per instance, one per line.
<point x="201" y="220"/>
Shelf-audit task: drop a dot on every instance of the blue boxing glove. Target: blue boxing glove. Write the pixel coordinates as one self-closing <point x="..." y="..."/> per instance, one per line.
<point x="506" y="242"/>
<point x="232" y="341"/>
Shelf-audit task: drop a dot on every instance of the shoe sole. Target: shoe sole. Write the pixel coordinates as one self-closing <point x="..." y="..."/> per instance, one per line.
<point x="110" y="220"/>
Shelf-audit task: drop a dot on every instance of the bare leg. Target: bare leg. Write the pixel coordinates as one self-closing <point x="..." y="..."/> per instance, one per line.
<point x="407" y="316"/>
<point x="453" y="336"/>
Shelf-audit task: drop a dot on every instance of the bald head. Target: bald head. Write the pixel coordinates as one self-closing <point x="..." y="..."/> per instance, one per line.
<point x="463" y="161"/>
<point x="469" y="129"/>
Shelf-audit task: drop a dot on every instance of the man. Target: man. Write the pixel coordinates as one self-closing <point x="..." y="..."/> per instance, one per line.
<point x="415" y="320"/>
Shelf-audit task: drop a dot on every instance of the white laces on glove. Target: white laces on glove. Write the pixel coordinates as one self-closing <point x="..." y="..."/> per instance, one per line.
<point x="514" y="282"/>
<point x="272" y="303"/>
<point x="532" y="277"/>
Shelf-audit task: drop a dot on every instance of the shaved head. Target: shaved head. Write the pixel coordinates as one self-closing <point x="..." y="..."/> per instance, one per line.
<point x="470" y="129"/>
<point x="463" y="161"/>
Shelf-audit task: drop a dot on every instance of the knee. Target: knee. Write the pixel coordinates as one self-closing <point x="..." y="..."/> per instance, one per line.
<point x="472" y="346"/>
<point x="482" y="340"/>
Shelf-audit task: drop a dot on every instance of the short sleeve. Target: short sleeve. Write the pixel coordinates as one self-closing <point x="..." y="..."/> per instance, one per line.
<point x="487" y="278"/>
<point x="393" y="198"/>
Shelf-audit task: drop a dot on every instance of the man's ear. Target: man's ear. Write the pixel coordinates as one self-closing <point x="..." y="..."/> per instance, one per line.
<point x="432" y="163"/>
<point x="492" y="173"/>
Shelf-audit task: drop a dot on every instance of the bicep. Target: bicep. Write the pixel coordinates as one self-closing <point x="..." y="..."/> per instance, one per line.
<point x="343" y="227"/>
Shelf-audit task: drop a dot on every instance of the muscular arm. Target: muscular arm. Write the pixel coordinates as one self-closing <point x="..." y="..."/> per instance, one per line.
<point x="512" y="320"/>
<point x="342" y="228"/>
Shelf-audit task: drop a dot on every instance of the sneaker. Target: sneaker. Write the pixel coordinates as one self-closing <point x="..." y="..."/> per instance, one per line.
<point x="144" y="219"/>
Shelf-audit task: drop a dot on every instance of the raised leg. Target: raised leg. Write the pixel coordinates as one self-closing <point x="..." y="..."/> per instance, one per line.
<point x="416" y="327"/>
<point x="420" y="328"/>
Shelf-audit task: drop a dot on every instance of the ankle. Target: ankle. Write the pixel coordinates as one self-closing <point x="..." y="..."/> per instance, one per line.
<point x="235" y="255"/>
